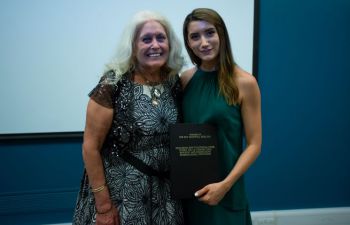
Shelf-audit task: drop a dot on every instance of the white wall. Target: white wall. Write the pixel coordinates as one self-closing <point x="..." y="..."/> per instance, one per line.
<point x="53" y="52"/>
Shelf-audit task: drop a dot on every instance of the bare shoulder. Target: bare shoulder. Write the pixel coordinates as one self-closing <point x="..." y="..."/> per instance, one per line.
<point x="187" y="75"/>
<point x="245" y="80"/>
<point x="247" y="85"/>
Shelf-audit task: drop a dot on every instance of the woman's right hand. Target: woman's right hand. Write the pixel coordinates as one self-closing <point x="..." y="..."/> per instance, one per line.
<point x="111" y="217"/>
<point x="212" y="194"/>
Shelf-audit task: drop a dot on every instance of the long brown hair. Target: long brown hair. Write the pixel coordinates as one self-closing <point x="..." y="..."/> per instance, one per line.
<point x="226" y="64"/>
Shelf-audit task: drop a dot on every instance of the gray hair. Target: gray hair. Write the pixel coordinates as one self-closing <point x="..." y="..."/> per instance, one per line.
<point x="124" y="61"/>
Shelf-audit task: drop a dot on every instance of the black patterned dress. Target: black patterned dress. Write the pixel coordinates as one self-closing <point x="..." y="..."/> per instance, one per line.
<point x="142" y="129"/>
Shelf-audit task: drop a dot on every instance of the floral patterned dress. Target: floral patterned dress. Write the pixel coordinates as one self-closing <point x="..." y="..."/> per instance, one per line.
<point x="142" y="129"/>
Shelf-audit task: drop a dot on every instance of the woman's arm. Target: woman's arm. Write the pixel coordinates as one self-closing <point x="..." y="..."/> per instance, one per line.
<point x="98" y="123"/>
<point x="251" y="115"/>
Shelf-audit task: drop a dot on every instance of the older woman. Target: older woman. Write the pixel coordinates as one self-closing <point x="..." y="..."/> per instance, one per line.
<point x="126" y="141"/>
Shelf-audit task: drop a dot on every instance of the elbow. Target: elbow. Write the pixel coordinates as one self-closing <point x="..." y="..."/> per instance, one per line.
<point x="89" y="150"/>
<point x="85" y="152"/>
<point x="256" y="149"/>
<point x="257" y="145"/>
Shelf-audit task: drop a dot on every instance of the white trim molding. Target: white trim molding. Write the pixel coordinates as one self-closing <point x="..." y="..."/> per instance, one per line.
<point x="316" y="216"/>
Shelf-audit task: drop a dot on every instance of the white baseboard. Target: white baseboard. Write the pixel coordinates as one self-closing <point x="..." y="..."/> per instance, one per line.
<point x="322" y="216"/>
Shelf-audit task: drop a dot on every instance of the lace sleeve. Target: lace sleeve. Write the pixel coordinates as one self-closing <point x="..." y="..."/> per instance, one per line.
<point x="104" y="92"/>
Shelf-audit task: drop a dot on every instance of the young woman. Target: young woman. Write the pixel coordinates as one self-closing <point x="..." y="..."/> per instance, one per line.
<point x="217" y="91"/>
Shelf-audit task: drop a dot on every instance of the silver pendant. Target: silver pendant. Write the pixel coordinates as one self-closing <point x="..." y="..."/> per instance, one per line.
<point x="156" y="92"/>
<point x="155" y="102"/>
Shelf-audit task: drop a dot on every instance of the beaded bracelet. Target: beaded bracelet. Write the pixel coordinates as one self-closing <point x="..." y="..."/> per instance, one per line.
<point x="98" y="189"/>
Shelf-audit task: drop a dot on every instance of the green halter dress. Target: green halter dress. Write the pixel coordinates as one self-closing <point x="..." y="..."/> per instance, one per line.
<point x="202" y="103"/>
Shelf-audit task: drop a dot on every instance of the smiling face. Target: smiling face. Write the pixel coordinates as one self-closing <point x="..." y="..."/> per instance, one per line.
<point x="203" y="39"/>
<point x="152" y="46"/>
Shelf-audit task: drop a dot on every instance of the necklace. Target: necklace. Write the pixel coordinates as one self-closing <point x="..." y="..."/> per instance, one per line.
<point x="155" y="95"/>
<point x="154" y="89"/>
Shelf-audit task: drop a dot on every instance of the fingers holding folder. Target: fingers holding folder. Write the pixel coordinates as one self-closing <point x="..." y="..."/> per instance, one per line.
<point x="212" y="194"/>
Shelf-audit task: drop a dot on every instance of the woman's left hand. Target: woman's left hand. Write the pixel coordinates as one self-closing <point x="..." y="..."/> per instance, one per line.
<point x="212" y="194"/>
<point x="108" y="218"/>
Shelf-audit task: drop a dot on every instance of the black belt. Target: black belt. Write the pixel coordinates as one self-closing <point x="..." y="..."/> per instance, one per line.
<point x="141" y="166"/>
